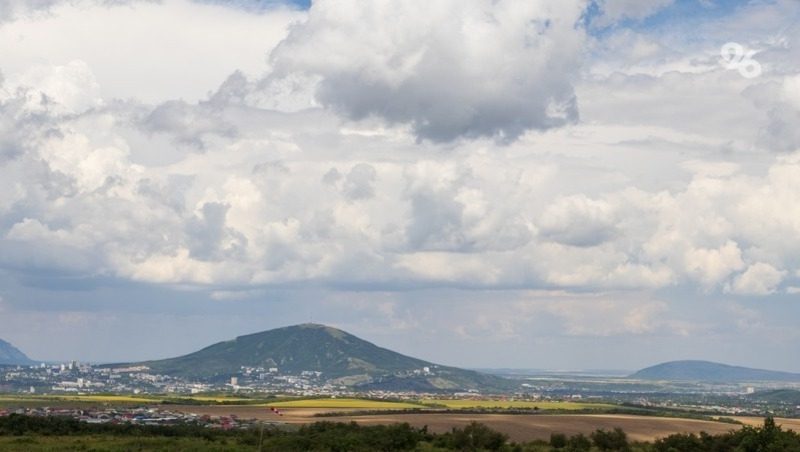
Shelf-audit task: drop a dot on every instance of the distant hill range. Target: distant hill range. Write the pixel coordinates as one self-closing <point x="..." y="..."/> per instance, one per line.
<point x="341" y="357"/>
<point x="709" y="371"/>
<point x="10" y="355"/>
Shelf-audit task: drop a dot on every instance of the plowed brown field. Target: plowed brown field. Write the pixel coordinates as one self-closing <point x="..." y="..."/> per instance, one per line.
<point x="519" y="427"/>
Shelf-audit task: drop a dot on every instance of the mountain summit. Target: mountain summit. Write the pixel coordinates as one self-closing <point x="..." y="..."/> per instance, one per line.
<point x="710" y="371"/>
<point x="11" y="355"/>
<point x="340" y="357"/>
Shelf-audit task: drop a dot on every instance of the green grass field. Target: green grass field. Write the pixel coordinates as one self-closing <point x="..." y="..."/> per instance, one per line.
<point x="453" y="404"/>
<point x="82" y="399"/>
<point x="70" y="400"/>
<point x="345" y="403"/>
<point x="10" y="400"/>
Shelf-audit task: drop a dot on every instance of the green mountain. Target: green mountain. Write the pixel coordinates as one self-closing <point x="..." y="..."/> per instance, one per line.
<point x="10" y="355"/>
<point x="341" y="357"/>
<point x="709" y="371"/>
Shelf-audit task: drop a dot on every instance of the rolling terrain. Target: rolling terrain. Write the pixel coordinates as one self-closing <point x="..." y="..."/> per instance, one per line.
<point x="711" y="372"/>
<point x="341" y="358"/>
<point x="519" y="427"/>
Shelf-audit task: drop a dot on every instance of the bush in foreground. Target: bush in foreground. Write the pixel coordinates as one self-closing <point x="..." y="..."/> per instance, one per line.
<point x="614" y="440"/>
<point x="28" y="433"/>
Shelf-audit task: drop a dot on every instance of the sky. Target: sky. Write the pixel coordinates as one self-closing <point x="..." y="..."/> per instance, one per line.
<point x="549" y="184"/>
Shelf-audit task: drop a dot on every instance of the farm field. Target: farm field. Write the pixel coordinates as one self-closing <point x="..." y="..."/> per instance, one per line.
<point x="786" y="424"/>
<point x="318" y="403"/>
<point x="55" y="400"/>
<point x="76" y="400"/>
<point x="521" y="404"/>
<point x="539" y="427"/>
<point x="362" y="404"/>
<point x="519" y="427"/>
<point x="451" y="404"/>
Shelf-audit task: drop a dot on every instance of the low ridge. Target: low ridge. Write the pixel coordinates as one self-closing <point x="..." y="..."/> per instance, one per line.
<point x="710" y="371"/>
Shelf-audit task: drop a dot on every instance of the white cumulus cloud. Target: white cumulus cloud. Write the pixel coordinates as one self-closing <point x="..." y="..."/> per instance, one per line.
<point x="758" y="279"/>
<point x="440" y="71"/>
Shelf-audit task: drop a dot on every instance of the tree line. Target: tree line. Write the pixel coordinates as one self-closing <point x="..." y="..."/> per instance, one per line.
<point x="341" y="437"/>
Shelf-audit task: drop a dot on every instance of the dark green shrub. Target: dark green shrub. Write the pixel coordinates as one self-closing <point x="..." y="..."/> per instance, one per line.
<point x="614" y="440"/>
<point x="558" y="440"/>
<point x="579" y="443"/>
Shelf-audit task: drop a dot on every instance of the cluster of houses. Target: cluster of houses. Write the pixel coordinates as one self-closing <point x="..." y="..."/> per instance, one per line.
<point x="137" y="415"/>
<point x="83" y="379"/>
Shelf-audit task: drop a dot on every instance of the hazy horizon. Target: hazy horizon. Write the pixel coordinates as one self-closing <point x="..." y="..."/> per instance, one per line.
<point x="544" y="370"/>
<point x="553" y="184"/>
